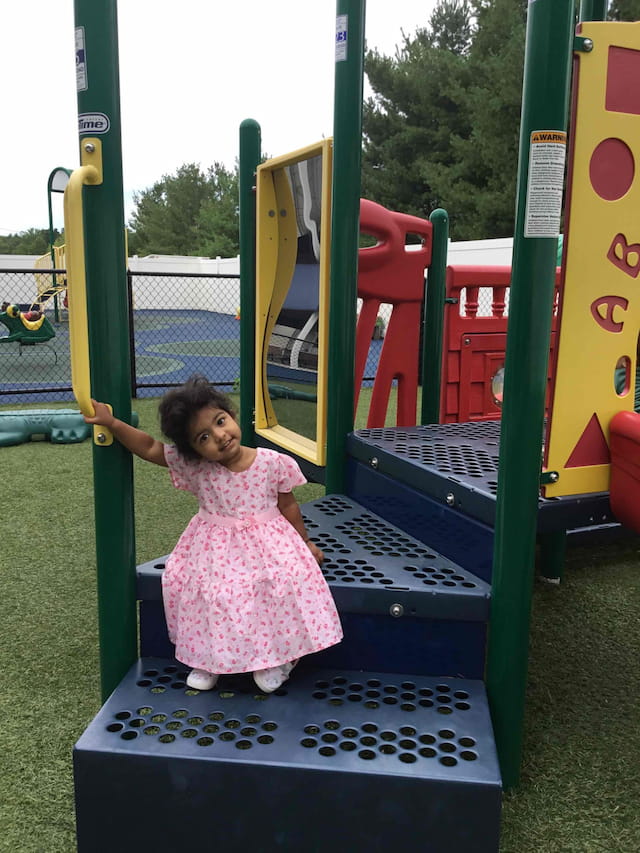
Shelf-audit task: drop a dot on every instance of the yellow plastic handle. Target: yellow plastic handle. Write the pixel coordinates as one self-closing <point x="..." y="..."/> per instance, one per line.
<point x="89" y="173"/>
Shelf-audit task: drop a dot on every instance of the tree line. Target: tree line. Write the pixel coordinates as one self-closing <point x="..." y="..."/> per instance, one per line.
<point x="441" y="129"/>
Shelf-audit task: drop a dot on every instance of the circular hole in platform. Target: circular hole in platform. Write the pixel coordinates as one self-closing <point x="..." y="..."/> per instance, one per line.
<point x="448" y="761"/>
<point x="367" y="754"/>
<point x="248" y="731"/>
<point x="407" y="757"/>
<point x="467" y="755"/>
<point x="327" y="750"/>
<point x="204" y="741"/>
<point x="265" y="739"/>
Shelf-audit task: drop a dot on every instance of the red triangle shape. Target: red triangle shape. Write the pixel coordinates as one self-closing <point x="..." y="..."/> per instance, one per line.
<point x="592" y="447"/>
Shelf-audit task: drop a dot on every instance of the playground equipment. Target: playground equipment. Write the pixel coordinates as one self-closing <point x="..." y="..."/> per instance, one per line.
<point x="53" y="283"/>
<point x="418" y="556"/>
<point x="391" y="272"/>
<point x="59" y="426"/>
<point x="27" y="328"/>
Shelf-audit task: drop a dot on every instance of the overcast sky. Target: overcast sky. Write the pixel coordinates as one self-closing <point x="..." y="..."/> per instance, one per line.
<point x="190" y="72"/>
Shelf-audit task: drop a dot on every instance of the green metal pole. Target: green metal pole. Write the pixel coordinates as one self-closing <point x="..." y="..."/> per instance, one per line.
<point x="250" y="145"/>
<point x="593" y="10"/>
<point x="544" y="108"/>
<point x="99" y="114"/>
<point x="345" y="233"/>
<point x="434" y="319"/>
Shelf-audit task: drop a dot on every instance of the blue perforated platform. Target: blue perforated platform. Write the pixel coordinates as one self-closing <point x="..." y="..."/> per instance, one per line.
<point x="335" y="760"/>
<point x="370" y="565"/>
<point x="457" y="465"/>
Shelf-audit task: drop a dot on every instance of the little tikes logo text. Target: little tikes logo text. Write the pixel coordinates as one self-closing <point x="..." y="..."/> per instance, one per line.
<point x="93" y="123"/>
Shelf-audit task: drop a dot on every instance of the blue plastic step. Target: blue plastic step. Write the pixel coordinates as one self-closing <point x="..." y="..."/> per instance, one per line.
<point x="334" y="760"/>
<point x="402" y="605"/>
<point x="371" y="565"/>
<point x="457" y="465"/>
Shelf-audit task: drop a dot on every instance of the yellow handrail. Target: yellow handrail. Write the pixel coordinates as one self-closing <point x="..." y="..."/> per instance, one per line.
<point x="90" y="173"/>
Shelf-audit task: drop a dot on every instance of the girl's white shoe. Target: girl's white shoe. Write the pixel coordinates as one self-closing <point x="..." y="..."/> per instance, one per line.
<point x="200" y="679"/>
<point x="270" y="679"/>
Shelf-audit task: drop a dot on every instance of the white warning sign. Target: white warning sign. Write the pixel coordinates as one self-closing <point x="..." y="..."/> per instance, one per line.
<point x="342" y="32"/>
<point x="547" y="152"/>
<point x="81" y="61"/>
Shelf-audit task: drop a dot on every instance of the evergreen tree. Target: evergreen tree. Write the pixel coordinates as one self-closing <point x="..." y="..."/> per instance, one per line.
<point x="442" y="128"/>
<point x="415" y="111"/>
<point x="217" y="226"/>
<point x="164" y="220"/>
<point x="34" y="241"/>
<point x="624" y="10"/>
<point x="189" y="213"/>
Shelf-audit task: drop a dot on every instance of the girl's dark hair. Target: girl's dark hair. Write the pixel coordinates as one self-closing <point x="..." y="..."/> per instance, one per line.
<point x="178" y="407"/>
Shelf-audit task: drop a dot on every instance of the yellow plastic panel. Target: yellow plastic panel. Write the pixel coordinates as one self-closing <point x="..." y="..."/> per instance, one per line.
<point x="276" y="256"/>
<point x="600" y="303"/>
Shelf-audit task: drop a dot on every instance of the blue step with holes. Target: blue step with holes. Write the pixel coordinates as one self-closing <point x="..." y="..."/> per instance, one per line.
<point x="402" y="604"/>
<point x="334" y="760"/>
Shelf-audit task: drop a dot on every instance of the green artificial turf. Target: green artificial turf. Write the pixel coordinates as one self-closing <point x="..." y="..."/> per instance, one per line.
<point x="580" y="788"/>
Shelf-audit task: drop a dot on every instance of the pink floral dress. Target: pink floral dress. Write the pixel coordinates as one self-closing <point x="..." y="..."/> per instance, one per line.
<point x="241" y="589"/>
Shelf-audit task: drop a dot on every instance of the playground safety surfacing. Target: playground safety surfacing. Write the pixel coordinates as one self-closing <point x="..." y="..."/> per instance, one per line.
<point x="169" y="347"/>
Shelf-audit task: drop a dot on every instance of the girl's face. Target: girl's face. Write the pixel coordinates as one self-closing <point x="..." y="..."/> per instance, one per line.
<point x="215" y="436"/>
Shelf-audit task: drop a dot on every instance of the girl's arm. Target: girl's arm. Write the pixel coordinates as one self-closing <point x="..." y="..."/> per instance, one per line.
<point x="288" y="506"/>
<point x="135" y="440"/>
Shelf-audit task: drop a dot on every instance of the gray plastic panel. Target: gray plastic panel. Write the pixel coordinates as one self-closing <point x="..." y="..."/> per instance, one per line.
<point x="371" y="565"/>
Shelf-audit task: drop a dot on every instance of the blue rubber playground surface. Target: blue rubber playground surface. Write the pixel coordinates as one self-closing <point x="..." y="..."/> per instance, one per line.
<point x="169" y="347"/>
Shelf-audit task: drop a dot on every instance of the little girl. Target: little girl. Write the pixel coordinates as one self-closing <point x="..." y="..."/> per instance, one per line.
<point x="243" y="591"/>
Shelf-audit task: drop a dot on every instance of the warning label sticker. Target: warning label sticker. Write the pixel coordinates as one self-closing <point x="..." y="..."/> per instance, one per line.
<point x="342" y="32"/>
<point x="81" y="61"/>
<point x="547" y="152"/>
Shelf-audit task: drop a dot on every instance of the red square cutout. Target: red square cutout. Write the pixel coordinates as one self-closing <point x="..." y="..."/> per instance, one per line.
<point x="623" y="81"/>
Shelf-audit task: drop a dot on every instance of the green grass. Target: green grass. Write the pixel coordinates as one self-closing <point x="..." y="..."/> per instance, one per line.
<point x="580" y="789"/>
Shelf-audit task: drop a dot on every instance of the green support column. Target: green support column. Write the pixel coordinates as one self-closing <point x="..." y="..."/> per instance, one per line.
<point x="434" y="319"/>
<point x="544" y="108"/>
<point x="593" y="10"/>
<point x="345" y="233"/>
<point x="250" y="155"/>
<point x="99" y="116"/>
